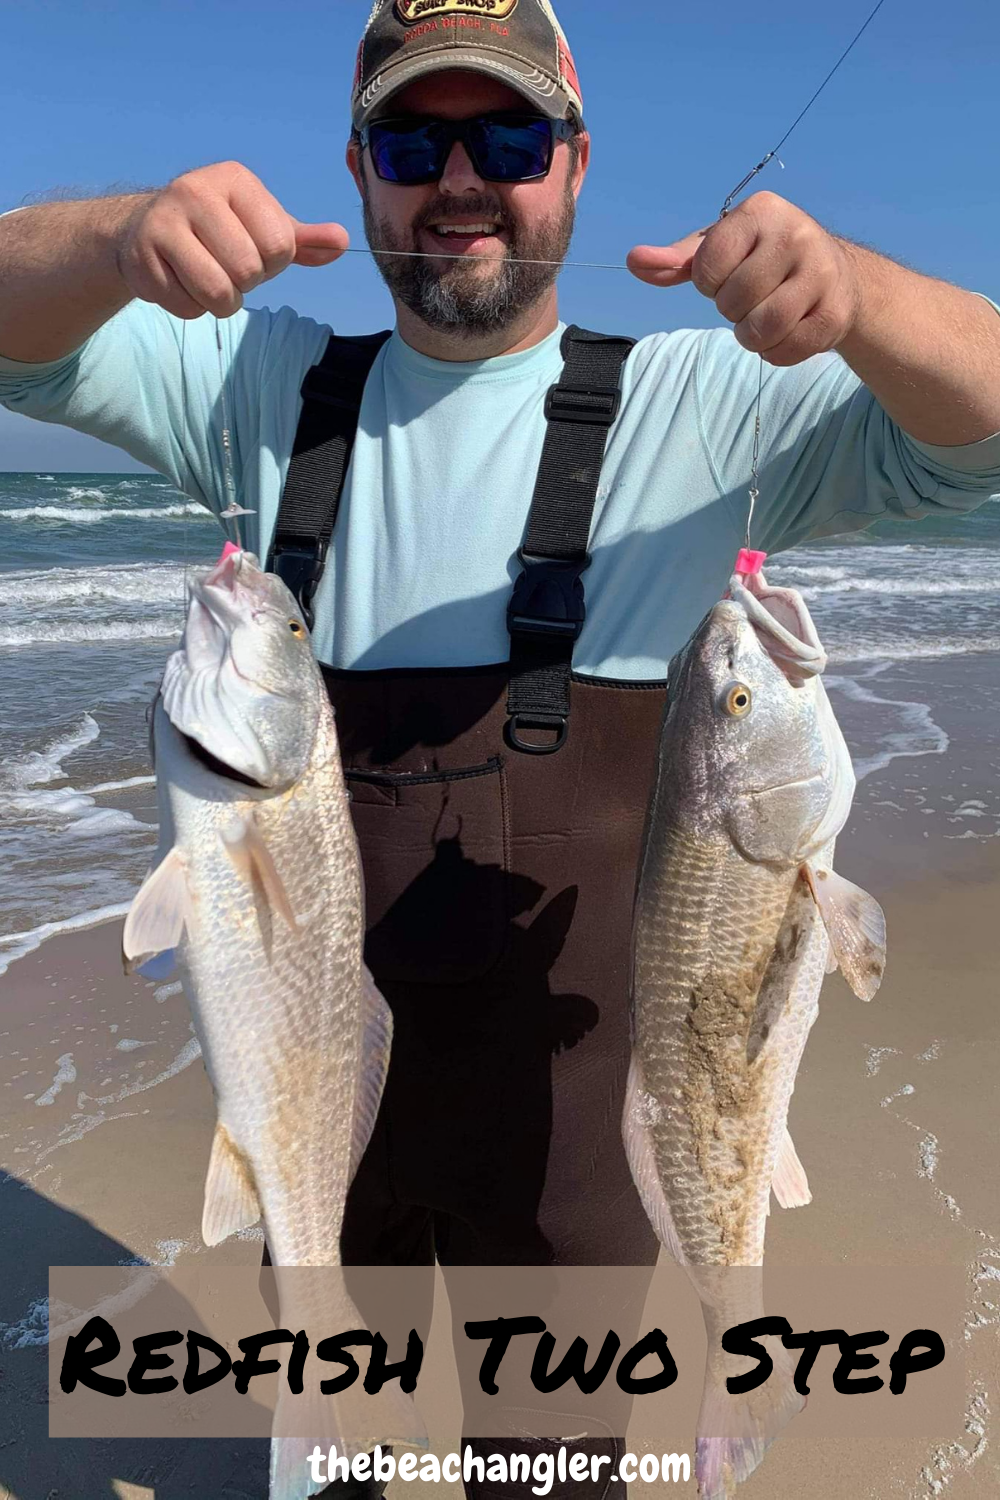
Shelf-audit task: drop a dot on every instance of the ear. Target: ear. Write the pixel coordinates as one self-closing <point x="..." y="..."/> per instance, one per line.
<point x="353" y="159"/>
<point x="582" y="162"/>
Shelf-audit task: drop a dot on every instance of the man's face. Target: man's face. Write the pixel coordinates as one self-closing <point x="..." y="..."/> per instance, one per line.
<point x="486" y="288"/>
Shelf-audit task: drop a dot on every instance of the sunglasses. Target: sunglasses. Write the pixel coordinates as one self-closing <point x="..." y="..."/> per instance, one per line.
<point x="501" y="147"/>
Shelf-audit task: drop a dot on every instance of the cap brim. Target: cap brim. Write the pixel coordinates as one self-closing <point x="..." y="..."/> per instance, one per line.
<point x="537" y="88"/>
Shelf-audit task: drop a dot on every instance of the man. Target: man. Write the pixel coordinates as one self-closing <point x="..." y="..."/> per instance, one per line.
<point x="500" y="844"/>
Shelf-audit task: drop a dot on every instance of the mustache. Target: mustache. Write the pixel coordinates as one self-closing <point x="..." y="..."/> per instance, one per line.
<point x="472" y="206"/>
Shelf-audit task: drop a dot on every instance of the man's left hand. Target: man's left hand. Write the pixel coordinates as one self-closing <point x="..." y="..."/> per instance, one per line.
<point x="791" y="289"/>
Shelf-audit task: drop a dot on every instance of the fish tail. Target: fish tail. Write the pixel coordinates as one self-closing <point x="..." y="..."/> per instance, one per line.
<point x="351" y="1422"/>
<point x="734" y="1432"/>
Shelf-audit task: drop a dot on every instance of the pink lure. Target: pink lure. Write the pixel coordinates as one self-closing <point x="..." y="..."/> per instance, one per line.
<point x="748" y="562"/>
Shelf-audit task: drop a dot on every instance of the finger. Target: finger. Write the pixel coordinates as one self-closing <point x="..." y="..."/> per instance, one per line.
<point x="271" y="229"/>
<point x="319" y="244"/>
<point x="729" y="244"/>
<point x="152" y="280"/>
<point x="201" y="276"/>
<point x="813" y="334"/>
<point x="776" y="319"/>
<point x="229" y="244"/>
<point x="665" y="265"/>
<point x="753" y="281"/>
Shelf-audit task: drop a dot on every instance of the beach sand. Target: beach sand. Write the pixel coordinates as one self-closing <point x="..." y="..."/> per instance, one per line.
<point x="895" y="1117"/>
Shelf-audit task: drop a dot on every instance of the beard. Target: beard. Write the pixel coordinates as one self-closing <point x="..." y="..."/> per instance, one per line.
<point x="473" y="298"/>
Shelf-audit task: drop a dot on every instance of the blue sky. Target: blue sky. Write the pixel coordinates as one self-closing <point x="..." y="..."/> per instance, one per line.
<point x="899" y="152"/>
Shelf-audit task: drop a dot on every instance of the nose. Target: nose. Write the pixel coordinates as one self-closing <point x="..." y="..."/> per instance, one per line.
<point x="459" y="175"/>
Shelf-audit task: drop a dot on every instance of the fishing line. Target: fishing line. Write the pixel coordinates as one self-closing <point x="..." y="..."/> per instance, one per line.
<point x="754" y="490"/>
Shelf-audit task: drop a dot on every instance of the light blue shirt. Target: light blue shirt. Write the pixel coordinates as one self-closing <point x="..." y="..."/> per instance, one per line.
<point x="443" y="472"/>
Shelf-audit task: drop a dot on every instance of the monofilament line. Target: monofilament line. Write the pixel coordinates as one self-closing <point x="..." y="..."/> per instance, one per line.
<point x="754" y="489"/>
<point x="586" y="265"/>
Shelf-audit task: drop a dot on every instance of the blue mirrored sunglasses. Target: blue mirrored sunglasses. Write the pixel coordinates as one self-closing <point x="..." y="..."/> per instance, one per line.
<point x="501" y="147"/>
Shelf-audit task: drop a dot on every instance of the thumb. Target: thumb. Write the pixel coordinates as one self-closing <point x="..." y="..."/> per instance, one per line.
<point x="319" y="244"/>
<point x="665" y="265"/>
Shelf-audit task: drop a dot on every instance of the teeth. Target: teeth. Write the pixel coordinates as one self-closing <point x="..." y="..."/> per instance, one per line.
<point x="465" y="228"/>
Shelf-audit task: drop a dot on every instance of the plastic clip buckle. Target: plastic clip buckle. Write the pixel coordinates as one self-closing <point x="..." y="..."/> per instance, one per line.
<point x="300" y="569"/>
<point x="548" y="597"/>
<point x="581" y="403"/>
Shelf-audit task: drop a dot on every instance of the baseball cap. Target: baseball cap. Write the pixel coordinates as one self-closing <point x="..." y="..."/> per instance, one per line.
<point x="520" y="42"/>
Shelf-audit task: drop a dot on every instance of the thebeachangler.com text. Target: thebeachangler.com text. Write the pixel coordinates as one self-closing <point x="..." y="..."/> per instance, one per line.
<point x="498" y="1468"/>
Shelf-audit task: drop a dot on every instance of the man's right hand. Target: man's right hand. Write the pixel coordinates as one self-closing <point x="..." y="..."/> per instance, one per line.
<point x="213" y="235"/>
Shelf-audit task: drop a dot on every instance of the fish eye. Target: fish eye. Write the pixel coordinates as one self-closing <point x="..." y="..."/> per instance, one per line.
<point x="296" y="627"/>
<point x="738" y="700"/>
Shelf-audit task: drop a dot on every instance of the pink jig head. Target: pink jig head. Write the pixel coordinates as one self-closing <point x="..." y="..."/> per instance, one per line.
<point x="749" y="562"/>
<point x="229" y="549"/>
<point x="748" y="566"/>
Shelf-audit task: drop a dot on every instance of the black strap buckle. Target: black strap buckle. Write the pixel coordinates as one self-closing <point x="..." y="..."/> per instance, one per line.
<point x="548" y="597"/>
<point x="299" y="565"/>
<point x="581" y="403"/>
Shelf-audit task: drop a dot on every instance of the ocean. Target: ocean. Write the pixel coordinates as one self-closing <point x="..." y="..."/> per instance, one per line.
<point x="92" y="578"/>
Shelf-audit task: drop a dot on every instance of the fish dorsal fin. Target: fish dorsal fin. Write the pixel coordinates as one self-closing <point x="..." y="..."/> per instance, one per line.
<point x="248" y="851"/>
<point x="231" y="1201"/>
<point x="376" y="1044"/>
<point x="159" y="914"/>
<point x="855" y="925"/>
<point x="791" y="1187"/>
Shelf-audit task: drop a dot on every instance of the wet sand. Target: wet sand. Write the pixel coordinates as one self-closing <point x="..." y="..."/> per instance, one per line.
<point x="896" y="1117"/>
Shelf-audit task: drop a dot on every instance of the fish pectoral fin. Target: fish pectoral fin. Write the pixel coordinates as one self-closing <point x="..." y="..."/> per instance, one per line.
<point x="376" y="1045"/>
<point x="790" y="1185"/>
<point x="159" y="913"/>
<point x="248" y="851"/>
<point x="855" y="925"/>
<point x="231" y="1201"/>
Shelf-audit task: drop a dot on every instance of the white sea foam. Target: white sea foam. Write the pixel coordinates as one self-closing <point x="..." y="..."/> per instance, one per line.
<point x="117" y="786"/>
<point x="865" y="648"/>
<point x="78" y="517"/>
<point x="73" y="632"/>
<point x="66" y="1073"/>
<point x="14" y="945"/>
<point x="161" y="583"/>
<point x="918" y="733"/>
<point x="39" y="766"/>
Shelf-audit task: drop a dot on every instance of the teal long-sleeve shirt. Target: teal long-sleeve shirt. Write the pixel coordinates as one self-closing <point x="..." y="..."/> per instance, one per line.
<point x="439" y="487"/>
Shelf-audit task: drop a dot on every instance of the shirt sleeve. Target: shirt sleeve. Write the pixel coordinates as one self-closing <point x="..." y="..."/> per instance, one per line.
<point x="153" y="385"/>
<point x="831" y="459"/>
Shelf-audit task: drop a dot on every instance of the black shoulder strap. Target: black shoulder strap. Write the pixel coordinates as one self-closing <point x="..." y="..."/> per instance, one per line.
<point x="331" y="394"/>
<point x="546" y="611"/>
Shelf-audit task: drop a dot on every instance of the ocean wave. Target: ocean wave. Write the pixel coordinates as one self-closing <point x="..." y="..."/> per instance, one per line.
<point x="917" y="732"/>
<point x="914" y="650"/>
<point x="931" y="587"/>
<point x="40" y="766"/>
<point x="44" y="633"/>
<point x="79" y="517"/>
<point x="162" y="583"/>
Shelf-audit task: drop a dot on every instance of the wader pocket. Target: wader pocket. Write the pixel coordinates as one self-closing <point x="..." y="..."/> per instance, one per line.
<point x="436" y="856"/>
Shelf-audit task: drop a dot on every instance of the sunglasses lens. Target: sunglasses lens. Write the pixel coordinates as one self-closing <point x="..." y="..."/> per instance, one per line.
<point x="408" y="156"/>
<point x="509" y="152"/>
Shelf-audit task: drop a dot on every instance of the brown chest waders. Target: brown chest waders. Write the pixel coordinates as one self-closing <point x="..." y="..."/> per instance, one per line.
<point x="500" y="836"/>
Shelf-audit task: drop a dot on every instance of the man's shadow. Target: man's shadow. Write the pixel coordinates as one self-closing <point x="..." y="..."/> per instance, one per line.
<point x="36" y="1233"/>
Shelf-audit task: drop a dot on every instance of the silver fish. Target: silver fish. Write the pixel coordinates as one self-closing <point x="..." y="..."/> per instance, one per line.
<point x="739" y="915"/>
<point x="258" y="887"/>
